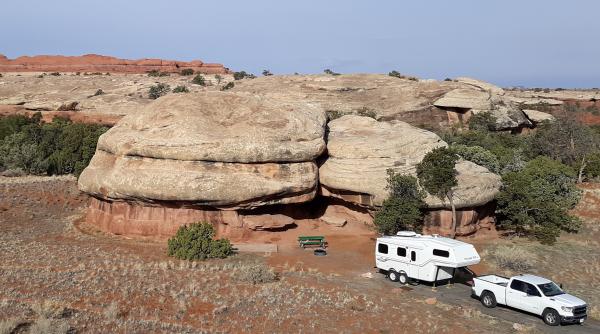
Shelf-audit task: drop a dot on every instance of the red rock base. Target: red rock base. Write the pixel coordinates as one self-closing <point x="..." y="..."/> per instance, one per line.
<point x="468" y="221"/>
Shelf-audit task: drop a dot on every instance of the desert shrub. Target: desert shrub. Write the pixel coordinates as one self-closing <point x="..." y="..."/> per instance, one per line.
<point x="592" y="169"/>
<point x="59" y="147"/>
<point x="396" y="74"/>
<point x="242" y="75"/>
<point x="199" y="80"/>
<point x="566" y="140"/>
<point x="55" y="74"/>
<point x="330" y="72"/>
<point x="181" y="89"/>
<point x="255" y="274"/>
<point x="448" y="79"/>
<point x="228" y="86"/>
<point x="158" y="90"/>
<point x="403" y="209"/>
<point x="71" y="106"/>
<point x="267" y="73"/>
<point x="49" y="326"/>
<point x="1" y="75"/>
<point x="366" y="112"/>
<point x="478" y="155"/>
<point x="195" y="242"/>
<point x="153" y="73"/>
<point x="483" y="121"/>
<point x="187" y="71"/>
<point x="99" y="92"/>
<point x="334" y="114"/>
<point x="219" y="78"/>
<point x="536" y="200"/>
<point x="14" y="172"/>
<point x="512" y="258"/>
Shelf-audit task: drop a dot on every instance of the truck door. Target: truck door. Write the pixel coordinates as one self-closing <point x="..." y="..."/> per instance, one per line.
<point x="523" y="296"/>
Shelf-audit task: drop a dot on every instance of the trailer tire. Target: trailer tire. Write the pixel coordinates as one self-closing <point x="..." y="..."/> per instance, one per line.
<point x="551" y="317"/>
<point x="403" y="278"/>
<point x="392" y="275"/>
<point x="488" y="299"/>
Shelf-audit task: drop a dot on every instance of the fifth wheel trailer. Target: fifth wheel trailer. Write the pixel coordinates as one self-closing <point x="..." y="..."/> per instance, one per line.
<point x="430" y="258"/>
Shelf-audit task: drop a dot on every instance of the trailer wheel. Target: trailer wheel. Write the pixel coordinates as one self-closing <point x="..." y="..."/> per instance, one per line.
<point x="488" y="299"/>
<point x="393" y="275"/>
<point x="551" y="317"/>
<point x="403" y="278"/>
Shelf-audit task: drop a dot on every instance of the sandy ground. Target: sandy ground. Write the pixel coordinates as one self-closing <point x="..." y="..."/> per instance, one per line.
<point x="58" y="273"/>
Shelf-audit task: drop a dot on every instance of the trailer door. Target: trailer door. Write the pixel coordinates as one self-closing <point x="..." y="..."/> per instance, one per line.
<point x="413" y="268"/>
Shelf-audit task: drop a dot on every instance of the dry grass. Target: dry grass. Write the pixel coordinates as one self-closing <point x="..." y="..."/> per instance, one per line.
<point x="511" y="258"/>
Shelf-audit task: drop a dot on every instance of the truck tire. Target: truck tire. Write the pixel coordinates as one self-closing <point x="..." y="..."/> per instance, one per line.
<point x="393" y="275"/>
<point x="488" y="299"/>
<point x="403" y="278"/>
<point x="551" y="317"/>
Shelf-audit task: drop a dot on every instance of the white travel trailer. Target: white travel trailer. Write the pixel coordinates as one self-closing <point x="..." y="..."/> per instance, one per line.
<point x="429" y="258"/>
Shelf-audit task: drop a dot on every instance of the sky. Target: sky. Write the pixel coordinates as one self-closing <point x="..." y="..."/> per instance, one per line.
<point x="532" y="43"/>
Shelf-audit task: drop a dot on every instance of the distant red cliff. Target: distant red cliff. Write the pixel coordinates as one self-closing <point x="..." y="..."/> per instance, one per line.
<point x="98" y="63"/>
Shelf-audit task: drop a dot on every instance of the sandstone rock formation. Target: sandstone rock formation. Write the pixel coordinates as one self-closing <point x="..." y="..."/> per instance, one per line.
<point x="361" y="150"/>
<point x="482" y="97"/>
<point x="213" y="149"/>
<point x="538" y="116"/>
<point x="98" y="63"/>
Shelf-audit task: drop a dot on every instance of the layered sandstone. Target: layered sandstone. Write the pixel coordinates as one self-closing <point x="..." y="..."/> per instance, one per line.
<point x="98" y="63"/>
<point x="219" y="150"/>
<point x="361" y="150"/>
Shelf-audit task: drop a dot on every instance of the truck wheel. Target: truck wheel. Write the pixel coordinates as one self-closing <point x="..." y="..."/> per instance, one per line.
<point x="393" y="275"/>
<point x="403" y="278"/>
<point x="488" y="299"/>
<point x="551" y="317"/>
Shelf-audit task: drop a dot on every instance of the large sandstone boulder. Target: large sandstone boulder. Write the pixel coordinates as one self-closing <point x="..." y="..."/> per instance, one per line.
<point x="225" y="150"/>
<point x="361" y="150"/>
<point x="539" y="116"/>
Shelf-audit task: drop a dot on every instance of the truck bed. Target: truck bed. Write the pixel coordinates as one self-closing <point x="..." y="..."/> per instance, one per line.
<point x="495" y="279"/>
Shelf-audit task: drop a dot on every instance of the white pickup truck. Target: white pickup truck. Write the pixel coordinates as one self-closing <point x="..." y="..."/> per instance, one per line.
<point x="532" y="294"/>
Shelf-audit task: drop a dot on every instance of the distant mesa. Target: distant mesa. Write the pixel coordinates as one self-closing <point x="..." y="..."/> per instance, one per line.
<point x="98" y="63"/>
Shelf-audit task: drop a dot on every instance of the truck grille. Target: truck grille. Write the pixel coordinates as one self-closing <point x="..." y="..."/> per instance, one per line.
<point x="580" y="311"/>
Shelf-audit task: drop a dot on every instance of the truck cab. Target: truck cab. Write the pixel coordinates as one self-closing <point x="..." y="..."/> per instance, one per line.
<point x="532" y="294"/>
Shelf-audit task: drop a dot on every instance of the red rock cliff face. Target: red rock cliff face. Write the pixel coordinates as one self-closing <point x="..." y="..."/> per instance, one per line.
<point x="97" y="63"/>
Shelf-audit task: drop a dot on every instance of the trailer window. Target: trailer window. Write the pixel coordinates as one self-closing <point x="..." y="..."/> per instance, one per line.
<point x="382" y="248"/>
<point x="441" y="253"/>
<point x="413" y="256"/>
<point x="401" y="252"/>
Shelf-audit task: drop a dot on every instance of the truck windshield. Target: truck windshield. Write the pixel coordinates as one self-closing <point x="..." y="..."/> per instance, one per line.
<point x="550" y="289"/>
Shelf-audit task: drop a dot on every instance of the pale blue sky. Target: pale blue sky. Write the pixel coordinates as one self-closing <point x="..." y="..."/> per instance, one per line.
<point x="544" y="43"/>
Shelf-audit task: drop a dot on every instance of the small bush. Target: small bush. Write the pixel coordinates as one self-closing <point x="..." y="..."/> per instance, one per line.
<point x="242" y="75"/>
<point x="99" y="92"/>
<point x="71" y="106"/>
<point x="187" y="71"/>
<point x="195" y="242"/>
<point x="219" y="78"/>
<point x="334" y="114"/>
<point x="513" y="258"/>
<point x="14" y="172"/>
<point x="483" y="121"/>
<point x="153" y="73"/>
<point x="255" y="274"/>
<point x="330" y="72"/>
<point x="228" y="86"/>
<point x="55" y="74"/>
<point x="447" y="79"/>
<point x="181" y="89"/>
<point x="267" y="73"/>
<point x="366" y="112"/>
<point x="199" y="80"/>
<point x="158" y="90"/>
<point x="396" y="74"/>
